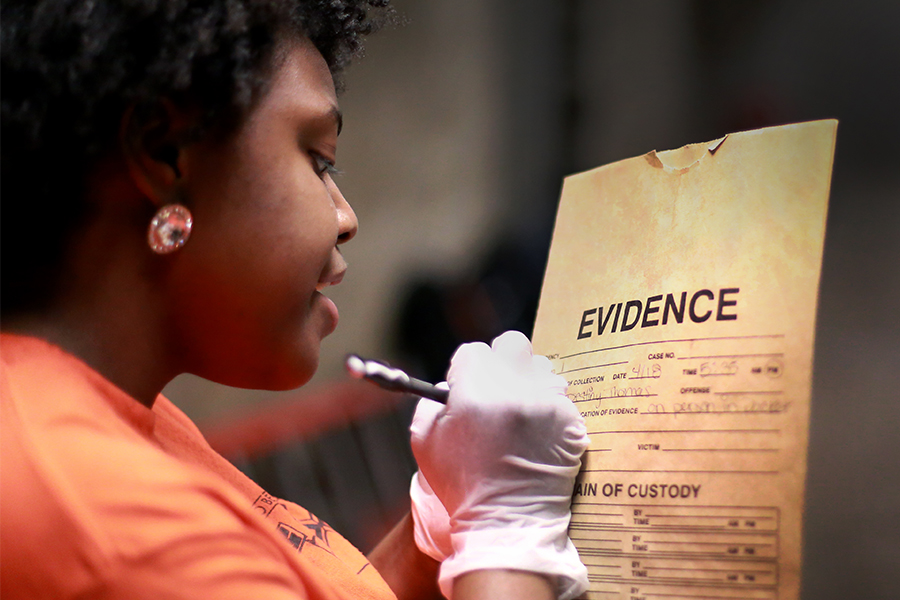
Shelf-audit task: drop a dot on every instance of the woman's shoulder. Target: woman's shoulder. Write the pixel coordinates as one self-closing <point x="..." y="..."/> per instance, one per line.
<point x="86" y="440"/>
<point x="86" y="492"/>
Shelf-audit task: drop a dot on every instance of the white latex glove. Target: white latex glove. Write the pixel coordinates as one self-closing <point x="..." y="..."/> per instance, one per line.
<point x="431" y="522"/>
<point x="502" y="457"/>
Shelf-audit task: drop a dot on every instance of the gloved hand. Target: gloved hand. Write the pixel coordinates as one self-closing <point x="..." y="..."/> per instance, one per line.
<point x="502" y="457"/>
<point x="432" y="523"/>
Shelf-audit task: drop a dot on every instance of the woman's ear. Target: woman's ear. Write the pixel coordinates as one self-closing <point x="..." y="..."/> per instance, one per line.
<point x="152" y="141"/>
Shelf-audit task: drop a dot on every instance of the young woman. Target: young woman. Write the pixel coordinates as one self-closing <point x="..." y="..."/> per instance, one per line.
<point x="168" y="207"/>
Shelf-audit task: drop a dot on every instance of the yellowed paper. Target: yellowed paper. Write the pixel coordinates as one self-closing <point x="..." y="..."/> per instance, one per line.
<point x="679" y="302"/>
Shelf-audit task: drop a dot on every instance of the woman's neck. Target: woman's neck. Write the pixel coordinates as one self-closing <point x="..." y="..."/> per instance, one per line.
<point x="108" y="312"/>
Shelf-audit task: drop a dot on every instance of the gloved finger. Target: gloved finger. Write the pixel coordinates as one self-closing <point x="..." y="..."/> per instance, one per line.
<point x="515" y="348"/>
<point x="542" y="371"/>
<point x="467" y="356"/>
<point x="427" y="412"/>
<point x="556" y="383"/>
<point x="469" y="353"/>
<point x="541" y="364"/>
<point x="423" y="483"/>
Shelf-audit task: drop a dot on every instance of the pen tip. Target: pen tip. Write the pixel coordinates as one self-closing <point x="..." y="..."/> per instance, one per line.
<point x="355" y="366"/>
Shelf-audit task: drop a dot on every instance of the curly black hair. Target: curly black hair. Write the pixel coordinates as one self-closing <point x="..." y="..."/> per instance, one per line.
<point x="70" y="68"/>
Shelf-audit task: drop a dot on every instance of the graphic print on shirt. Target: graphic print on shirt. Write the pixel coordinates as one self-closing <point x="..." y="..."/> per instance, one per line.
<point x="313" y="530"/>
<point x="319" y="529"/>
<point x="295" y="538"/>
<point x="266" y="503"/>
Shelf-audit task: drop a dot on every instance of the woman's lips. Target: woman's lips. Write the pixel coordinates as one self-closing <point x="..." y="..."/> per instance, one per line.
<point x="332" y="276"/>
<point x="334" y="271"/>
<point x="332" y="279"/>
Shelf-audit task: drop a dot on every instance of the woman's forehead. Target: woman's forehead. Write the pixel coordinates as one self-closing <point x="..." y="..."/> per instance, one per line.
<point x="301" y="80"/>
<point x="299" y="63"/>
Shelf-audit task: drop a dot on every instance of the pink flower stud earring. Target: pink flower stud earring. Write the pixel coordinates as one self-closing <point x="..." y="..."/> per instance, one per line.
<point x="170" y="228"/>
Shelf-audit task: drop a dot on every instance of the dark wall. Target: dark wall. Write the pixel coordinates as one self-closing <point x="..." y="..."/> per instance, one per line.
<point x="645" y="75"/>
<point x="590" y="82"/>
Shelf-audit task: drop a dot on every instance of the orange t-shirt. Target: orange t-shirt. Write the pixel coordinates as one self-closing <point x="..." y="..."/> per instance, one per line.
<point x="101" y="496"/>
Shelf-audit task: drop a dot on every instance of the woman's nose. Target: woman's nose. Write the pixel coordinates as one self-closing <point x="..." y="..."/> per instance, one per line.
<point x="347" y="222"/>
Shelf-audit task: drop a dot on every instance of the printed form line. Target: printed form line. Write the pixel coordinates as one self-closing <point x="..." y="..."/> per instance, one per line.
<point x="730" y="356"/>
<point x="706" y="597"/>
<point x="720" y="449"/>
<point x="688" y="431"/>
<point x="622" y="362"/>
<point x="678" y="471"/>
<point x="708" y="339"/>
<point x="710" y="543"/>
<point x="709" y="412"/>
<point x="673" y="529"/>
<point x="613" y="397"/>
<point x="762" y="518"/>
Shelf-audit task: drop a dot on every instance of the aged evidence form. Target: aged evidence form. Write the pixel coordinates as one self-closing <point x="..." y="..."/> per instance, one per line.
<point x="679" y="302"/>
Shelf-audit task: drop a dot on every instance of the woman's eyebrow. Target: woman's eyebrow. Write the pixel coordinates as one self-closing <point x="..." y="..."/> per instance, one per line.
<point x="338" y="116"/>
<point x="323" y="119"/>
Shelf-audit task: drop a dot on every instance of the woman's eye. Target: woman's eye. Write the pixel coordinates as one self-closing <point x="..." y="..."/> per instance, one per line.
<point x="324" y="166"/>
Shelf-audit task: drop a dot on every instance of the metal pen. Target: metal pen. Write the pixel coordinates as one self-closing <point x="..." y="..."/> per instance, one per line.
<point x="391" y="378"/>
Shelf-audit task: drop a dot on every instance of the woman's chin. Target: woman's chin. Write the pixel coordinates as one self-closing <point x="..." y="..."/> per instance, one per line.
<point x="325" y="306"/>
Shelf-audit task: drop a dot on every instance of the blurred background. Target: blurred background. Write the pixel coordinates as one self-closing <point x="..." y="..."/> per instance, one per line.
<point x="459" y="127"/>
